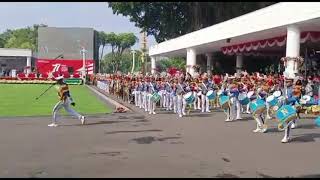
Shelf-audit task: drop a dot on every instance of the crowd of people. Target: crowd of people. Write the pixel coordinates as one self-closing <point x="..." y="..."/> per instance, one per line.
<point x="262" y="96"/>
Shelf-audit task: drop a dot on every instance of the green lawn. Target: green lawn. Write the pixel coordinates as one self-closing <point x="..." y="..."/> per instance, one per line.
<point x="19" y="100"/>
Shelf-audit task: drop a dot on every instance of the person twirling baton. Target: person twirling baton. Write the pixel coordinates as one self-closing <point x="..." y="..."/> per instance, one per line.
<point x="65" y="101"/>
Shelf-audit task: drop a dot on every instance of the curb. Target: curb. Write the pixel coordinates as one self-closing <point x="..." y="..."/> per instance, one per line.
<point x="115" y="103"/>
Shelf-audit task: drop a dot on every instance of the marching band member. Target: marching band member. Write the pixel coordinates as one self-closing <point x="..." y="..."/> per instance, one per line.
<point x="217" y="81"/>
<point x="293" y="95"/>
<point x="141" y="93"/>
<point x="174" y="96"/>
<point x="168" y="89"/>
<point x="236" y="107"/>
<point x="198" y="94"/>
<point x="205" y="87"/>
<point x="145" y="94"/>
<point x="136" y="93"/>
<point x="225" y="91"/>
<point x="181" y="101"/>
<point x="152" y="88"/>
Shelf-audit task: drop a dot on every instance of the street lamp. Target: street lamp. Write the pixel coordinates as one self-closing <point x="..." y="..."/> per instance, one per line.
<point x="83" y="52"/>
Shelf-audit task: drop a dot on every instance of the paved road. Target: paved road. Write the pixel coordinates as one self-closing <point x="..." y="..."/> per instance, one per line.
<point x="140" y="145"/>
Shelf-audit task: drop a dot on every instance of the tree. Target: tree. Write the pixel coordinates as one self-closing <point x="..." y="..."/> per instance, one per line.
<point x="177" y="62"/>
<point x="26" y="38"/>
<point x="118" y="44"/>
<point x="167" y="20"/>
<point x="125" y="64"/>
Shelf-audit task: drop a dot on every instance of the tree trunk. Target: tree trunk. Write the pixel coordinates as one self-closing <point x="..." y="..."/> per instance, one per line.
<point x="101" y="57"/>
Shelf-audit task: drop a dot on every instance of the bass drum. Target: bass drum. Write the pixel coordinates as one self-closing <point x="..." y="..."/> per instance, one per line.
<point x="257" y="106"/>
<point x="286" y="114"/>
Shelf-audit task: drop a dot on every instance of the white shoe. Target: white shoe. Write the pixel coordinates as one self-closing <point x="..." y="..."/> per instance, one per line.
<point x="257" y="130"/>
<point x="208" y="111"/>
<point x="150" y="113"/>
<point x="228" y="120"/>
<point x="184" y="113"/>
<point x="285" y="140"/>
<point x="180" y="116"/>
<point x="83" y="120"/>
<point x="263" y="130"/>
<point x="293" y="126"/>
<point x="248" y="112"/>
<point x="202" y="111"/>
<point x="154" y="113"/>
<point x="53" y="125"/>
<point x="238" y="118"/>
<point x="269" y="117"/>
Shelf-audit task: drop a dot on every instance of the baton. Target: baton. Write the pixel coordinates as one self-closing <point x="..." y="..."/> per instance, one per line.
<point x="45" y="91"/>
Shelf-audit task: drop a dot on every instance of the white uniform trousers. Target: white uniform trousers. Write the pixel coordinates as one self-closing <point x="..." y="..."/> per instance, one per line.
<point x="181" y="106"/>
<point x="235" y="108"/>
<point x="204" y="103"/>
<point x="66" y="106"/>
<point x="145" y="100"/>
<point x="174" y="102"/>
<point x="197" y="101"/>
<point x="168" y="101"/>
<point x="136" y="98"/>
<point x="151" y="104"/>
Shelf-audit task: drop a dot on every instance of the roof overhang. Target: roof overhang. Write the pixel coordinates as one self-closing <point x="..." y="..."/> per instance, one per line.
<point x="265" y="23"/>
<point x="12" y="52"/>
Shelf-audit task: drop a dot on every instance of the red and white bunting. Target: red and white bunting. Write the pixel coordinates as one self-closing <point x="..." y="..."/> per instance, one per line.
<point x="276" y="41"/>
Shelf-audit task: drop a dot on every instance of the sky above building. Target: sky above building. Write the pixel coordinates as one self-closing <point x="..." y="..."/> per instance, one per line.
<point x="95" y="15"/>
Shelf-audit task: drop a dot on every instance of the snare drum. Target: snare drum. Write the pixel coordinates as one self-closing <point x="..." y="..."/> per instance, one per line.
<point x="286" y="114"/>
<point x="257" y="106"/>
<point x="155" y="97"/>
<point x="189" y="97"/>
<point x="224" y="102"/>
<point x="243" y="99"/>
<point x="272" y="101"/>
<point x="211" y="95"/>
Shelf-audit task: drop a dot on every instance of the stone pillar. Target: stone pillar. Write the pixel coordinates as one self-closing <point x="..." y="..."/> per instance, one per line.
<point x="239" y="63"/>
<point x="209" y="63"/>
<point x="191" y="61"/>
<point x="153" y="64"/>
<point x="28" y="65"/>
<point x="292" y="50"/>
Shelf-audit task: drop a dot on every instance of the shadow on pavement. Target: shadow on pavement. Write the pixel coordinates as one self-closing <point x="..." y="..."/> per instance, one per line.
<point x="306" y="138"/>
<point x="151" y="130"/>
<point x="95" y="123"/>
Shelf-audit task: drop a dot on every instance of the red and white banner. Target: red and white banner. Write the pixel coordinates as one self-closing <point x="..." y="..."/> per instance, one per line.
<point x="45" y="66"/>
<point x="276" y="41"/>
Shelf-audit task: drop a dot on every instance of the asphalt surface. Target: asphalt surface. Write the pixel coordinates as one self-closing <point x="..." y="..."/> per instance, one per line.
<point x="136" y="144"/>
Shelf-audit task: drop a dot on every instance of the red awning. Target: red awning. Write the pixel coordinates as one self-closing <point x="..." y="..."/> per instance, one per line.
<point x="276" y="41"/>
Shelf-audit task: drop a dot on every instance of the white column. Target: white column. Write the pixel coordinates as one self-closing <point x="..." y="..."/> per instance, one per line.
<point x="239" y="63"/>
<point x="191" y="60"/>
<point x="29" y="64"/>
<point x="292" y="49"/>
<point x="153" y="64"/>
<point x="209" y="63"/>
